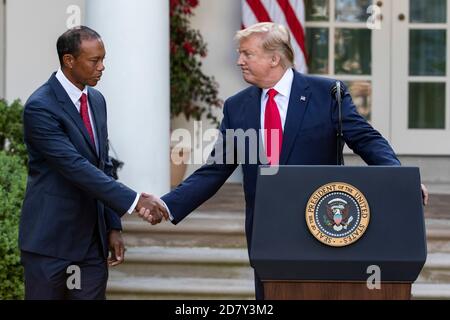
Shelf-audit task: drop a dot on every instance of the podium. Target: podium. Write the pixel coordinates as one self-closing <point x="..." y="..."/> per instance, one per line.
<point x="334" y="232"/>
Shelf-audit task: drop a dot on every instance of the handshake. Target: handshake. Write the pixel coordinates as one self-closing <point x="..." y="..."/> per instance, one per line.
<point x="151" y="209"/>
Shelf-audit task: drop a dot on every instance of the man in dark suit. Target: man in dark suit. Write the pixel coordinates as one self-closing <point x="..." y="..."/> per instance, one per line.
<point x="300" y="120"/>
<point x="72" y="207"/>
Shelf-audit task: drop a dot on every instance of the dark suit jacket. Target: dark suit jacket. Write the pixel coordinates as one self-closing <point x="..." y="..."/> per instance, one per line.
<point x="70" y="190"/>
<point x="309" y="138"/>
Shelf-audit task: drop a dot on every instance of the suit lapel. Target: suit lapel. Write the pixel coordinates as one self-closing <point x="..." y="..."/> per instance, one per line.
<point x="252" y="107"/>
<point x="70" y="109"/>
<point x="95" y="104"/>
<point x="298" y="102"/>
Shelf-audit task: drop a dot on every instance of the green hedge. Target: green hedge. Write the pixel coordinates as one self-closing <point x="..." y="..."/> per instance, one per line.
<point x="12" y="190"/>
<point x="11" y="129"/>
<point x="13" y="158"/>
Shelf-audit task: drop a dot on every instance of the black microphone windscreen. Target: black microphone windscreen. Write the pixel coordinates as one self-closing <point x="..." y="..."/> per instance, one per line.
<point x="333" y="91"/>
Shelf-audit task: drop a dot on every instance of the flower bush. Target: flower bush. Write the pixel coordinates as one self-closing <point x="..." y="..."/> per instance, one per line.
<point x="192" y="92"/>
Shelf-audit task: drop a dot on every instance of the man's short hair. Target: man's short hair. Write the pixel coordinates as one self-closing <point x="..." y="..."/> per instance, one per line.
<point x="276" y="38"/>
<point x="70" y="41"/>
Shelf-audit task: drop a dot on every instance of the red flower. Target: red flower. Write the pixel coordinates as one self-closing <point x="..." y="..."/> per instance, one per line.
<point x="193" y="3"/>
<point x="189" y="48"/>
<point x="173" y="5"/>
<point x="173" y="47"/>
<point x="187" y="10"/>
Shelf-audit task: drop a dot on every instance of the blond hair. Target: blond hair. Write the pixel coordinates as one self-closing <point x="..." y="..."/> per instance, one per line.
<point x="276" y="38"/>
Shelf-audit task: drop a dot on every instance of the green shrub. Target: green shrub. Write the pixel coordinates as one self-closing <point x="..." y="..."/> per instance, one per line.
<point x="11" y="129"/>
<point x="12" y="190"/>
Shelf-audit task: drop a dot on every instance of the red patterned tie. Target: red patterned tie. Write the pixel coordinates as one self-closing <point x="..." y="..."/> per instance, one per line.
<point x="272" y="125"/>
<point x="85" y="116"/>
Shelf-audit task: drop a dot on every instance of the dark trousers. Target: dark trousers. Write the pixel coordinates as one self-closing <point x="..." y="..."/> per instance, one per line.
<point x="46" y="277"/>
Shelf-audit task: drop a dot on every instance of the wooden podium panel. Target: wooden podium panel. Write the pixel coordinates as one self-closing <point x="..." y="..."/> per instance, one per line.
<point x="297" y="290"/>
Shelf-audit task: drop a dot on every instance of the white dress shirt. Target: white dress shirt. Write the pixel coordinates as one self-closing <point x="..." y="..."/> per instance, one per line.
<point x="74" y="94"/>
<point x="283" y="87"/>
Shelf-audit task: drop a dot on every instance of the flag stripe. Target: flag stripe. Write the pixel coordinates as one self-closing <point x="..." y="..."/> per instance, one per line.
<point x="248" y="17"/>
<point x="277" y="14"/>
<point x="294" y="25"/>
<point x="259" y="10"/>
<point x="290" y="13"/>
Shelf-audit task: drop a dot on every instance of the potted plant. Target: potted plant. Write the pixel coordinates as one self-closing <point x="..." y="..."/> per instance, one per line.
<point x="192" y="93"/>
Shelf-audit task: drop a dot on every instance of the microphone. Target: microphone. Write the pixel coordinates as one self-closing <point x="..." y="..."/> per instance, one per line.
<point x="334" y="90"/>
<point x="337" y="92"/>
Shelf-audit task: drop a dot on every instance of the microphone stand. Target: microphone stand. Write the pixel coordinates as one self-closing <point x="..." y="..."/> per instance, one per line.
<point x="340" y="135"/>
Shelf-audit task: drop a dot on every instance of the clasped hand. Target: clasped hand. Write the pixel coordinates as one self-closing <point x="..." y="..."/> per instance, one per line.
<point x="151" y="209"/>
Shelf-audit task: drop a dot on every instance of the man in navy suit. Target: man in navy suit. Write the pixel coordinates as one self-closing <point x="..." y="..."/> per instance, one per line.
<point x="72" y="207"/>
<point x="300" y="120"/>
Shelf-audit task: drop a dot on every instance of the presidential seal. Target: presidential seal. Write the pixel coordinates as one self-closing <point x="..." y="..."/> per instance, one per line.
<point x="337" y="214"/>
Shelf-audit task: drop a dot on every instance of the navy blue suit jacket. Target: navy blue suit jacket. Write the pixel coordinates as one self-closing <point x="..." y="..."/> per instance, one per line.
<point x="309" y="138"/>
<point x="70" y="190"/>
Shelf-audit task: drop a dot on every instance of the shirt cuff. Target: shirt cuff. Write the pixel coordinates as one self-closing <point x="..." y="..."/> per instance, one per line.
<point x="167" y="208"/>
<point x="133" y="206"/>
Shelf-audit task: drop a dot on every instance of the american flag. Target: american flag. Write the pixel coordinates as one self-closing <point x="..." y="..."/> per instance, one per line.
<point x="290" y="13"/>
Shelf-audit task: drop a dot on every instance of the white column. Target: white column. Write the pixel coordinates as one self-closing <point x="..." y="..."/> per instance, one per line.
<point x="2" y="49"/>
<point x="136" y="87"/>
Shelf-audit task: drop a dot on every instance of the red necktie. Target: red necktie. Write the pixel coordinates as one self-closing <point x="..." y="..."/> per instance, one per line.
<point x="85" y="116"/>
<point x="272" y="125"/>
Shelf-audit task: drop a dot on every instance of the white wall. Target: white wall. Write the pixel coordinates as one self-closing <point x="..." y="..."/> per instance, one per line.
<point x="218" y="21"/>
<point x="32" y="28"/>
<point x="2" y="49"/>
